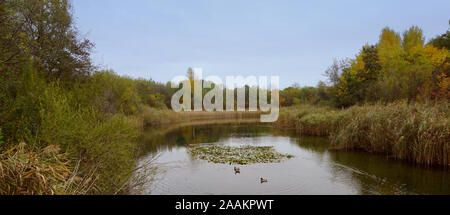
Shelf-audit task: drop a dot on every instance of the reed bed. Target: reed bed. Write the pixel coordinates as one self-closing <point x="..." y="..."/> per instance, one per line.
<point x="157" y="117"/>
<point x="419" y="133"/>
<point x="309" y="119"/>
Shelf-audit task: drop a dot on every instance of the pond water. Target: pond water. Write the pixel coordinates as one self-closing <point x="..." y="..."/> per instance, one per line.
<point x="315" y="169"/>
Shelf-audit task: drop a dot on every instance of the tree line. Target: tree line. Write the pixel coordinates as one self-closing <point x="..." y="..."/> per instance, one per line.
<point x="398" y="67"/>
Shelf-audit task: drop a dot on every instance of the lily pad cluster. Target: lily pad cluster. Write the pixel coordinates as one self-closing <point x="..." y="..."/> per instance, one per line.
<point x="241" y="155"/>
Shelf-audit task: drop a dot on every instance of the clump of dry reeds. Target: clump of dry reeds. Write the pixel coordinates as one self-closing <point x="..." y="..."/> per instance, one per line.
<point x="24" y="171"/>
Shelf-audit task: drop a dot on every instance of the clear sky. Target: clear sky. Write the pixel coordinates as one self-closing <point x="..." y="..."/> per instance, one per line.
<point x="296" y="40"/>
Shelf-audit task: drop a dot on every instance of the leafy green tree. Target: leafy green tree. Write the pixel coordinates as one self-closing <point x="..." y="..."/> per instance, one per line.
<point x="442" y="41"/>
<point x="354" y="83"/>
<point x="43" y="30"/>
<point x="12" y="36"/>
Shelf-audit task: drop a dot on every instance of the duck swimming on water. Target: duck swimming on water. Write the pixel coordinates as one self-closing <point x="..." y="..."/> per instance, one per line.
<point x="237" y="170"/>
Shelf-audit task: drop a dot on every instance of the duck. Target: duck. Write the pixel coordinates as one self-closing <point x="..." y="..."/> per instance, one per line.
<point x="264" y="180"/>
<point x="237" y="170"/>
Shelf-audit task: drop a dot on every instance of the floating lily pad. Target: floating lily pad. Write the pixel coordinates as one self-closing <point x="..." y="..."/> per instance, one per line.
<point x="241" y="155"/>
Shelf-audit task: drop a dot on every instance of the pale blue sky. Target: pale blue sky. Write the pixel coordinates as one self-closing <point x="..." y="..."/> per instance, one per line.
<point x="296" y="40"/>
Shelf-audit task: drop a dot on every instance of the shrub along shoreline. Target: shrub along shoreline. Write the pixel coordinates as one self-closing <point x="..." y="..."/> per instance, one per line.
<point x="419" y="133"/>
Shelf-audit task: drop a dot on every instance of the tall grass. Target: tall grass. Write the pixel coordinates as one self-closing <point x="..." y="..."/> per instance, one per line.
<point x="310" y="119"/>
<point x="419" y="133"/>
<point x="157" y="117"/>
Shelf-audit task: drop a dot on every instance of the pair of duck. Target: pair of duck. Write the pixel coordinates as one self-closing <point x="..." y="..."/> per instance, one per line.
<point x="238" y="171"/>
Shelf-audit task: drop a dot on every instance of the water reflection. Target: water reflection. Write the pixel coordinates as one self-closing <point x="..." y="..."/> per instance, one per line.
<point x="315" y="169"/>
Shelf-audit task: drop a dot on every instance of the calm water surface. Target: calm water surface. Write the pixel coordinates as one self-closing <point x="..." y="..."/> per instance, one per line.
<point x="315" y="169"/>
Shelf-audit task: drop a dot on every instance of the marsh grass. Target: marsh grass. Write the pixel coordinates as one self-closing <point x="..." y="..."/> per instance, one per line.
<point x="157" y="117"/>
<point x="310" y="120"/>
<point x="419" y="133"/>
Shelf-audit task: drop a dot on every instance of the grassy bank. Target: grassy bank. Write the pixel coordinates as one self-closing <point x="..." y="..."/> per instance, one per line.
<point x="419" y="133"/>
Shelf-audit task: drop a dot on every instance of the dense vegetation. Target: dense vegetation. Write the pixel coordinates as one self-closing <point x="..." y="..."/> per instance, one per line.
<point x="65" y="128"/>
<point x="396" y="68"/>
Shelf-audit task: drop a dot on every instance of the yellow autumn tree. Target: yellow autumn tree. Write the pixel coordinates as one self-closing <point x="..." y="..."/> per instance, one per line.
<point x="398" y="67"/>
<point x="407" y="65"/>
